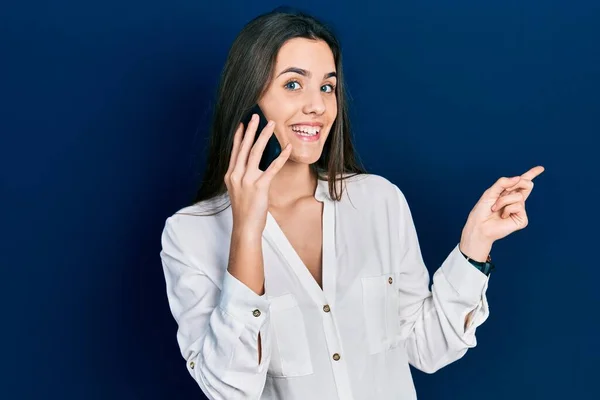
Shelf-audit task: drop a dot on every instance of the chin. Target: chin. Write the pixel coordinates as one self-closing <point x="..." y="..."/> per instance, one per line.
<point x="311" y="158"/>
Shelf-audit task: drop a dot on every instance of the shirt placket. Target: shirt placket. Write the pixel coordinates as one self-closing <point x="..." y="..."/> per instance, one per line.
<point x="323" y="299"/>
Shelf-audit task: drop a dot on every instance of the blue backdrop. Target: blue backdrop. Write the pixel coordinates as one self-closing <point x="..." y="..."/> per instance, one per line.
<point x="103" y="122"/>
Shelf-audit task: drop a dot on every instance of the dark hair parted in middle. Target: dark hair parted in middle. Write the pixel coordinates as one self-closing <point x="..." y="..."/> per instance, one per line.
<point x="247" y="74"/>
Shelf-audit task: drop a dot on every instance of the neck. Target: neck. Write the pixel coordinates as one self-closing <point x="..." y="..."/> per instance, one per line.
<point x="293" y="182"/>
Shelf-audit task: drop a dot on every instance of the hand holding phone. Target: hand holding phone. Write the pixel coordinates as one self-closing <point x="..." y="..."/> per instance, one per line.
<point x="273" y="148"/>
<point x="247" y="185"/>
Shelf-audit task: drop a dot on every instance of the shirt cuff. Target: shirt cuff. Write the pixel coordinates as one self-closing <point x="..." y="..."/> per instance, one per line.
<point x="468" y="281"/>
<point x="241" y="302"/>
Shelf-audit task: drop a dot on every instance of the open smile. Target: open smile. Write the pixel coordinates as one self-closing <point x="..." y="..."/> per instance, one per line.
<point x="308" y="132"/>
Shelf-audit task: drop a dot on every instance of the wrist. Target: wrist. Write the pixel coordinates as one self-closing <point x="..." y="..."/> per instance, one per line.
<point x="474" y="246"/>
<point x="246" y="235"/>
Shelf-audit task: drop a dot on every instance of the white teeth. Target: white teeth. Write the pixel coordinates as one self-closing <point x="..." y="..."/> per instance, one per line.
<point x="306" y="130"/>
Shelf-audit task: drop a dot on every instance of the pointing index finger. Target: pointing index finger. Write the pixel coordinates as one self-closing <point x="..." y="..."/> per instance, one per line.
<point x="533" y="172"/>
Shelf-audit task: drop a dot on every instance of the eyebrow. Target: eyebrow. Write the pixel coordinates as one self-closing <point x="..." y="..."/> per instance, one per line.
<point x="306" y="73"/>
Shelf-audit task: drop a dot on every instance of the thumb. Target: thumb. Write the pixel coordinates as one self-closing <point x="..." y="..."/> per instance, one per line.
<point x="501" y="184"/>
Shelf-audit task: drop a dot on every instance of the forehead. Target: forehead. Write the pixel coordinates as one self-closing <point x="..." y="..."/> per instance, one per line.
<point x="312" y="55"/>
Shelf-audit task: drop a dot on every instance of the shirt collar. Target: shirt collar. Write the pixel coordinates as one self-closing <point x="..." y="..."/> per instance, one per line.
<point x="322" y="190"/>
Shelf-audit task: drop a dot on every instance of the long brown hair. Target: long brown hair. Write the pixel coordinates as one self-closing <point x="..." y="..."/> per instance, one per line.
<point x="247" y="74"/>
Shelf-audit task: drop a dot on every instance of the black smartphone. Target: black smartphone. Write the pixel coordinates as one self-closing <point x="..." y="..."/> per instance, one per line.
<point x="273" y="148"/>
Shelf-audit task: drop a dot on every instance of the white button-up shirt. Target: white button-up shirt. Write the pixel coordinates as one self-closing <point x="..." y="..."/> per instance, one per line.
<point x="352" y="340"/>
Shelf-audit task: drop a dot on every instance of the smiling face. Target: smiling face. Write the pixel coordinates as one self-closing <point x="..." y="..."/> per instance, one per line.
<point x="301" y="97"/>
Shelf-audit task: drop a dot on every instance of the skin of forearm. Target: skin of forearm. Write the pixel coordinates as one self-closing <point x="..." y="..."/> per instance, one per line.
<point x="246" y="264"/>
<point x="246" y="260"/>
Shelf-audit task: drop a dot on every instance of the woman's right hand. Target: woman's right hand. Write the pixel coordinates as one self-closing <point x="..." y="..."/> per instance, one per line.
<point x="247" y="185"/>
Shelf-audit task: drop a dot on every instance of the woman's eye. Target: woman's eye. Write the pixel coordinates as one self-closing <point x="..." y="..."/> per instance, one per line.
<point x="327" y="88"/>
<point x="293" y="85"/>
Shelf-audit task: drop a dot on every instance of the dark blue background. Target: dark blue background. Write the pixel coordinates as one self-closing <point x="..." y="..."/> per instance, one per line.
<point x="103" y="122"/>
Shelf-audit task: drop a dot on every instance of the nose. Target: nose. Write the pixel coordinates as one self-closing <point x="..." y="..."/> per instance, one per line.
<point x="314" y="102"/>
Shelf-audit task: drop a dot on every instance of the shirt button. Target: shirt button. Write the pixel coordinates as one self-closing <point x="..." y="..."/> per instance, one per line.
<point x="256" y="313"/>
<point x="336" y="356"/>
<point x="326" y="308"/>
<point x="390" y="280"/>
<point x="192" y="365"/>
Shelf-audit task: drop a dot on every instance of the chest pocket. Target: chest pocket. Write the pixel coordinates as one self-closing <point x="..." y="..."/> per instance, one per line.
<point x="290" y="353"/>
<point x="380" y="308"/>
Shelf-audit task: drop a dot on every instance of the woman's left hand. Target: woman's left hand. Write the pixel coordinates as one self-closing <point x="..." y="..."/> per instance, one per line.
<point x="500" y="211"/>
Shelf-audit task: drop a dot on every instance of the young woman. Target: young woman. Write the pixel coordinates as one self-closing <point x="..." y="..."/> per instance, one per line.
<point x="305" y="280"/>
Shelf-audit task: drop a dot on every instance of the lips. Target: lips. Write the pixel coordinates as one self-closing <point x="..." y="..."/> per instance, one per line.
<point x="307" y="132"/>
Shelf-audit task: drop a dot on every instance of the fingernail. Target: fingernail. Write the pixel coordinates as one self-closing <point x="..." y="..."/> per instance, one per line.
<point x="254" y="117"/>
<point x="271" y="123"/>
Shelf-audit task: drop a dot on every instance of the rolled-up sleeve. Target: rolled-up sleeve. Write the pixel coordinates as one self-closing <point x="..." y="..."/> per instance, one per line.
<point x="433" y="321"/>
<point x="218" y="322"/>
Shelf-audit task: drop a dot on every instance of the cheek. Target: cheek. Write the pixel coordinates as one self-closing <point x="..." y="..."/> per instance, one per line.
<point x="332" y="109"/>
<point x="278" y="111"/>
